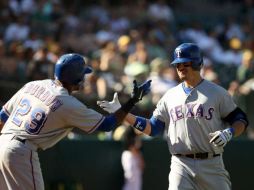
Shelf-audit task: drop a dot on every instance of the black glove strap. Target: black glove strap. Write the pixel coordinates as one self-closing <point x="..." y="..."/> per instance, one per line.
<point x="124" y="110"/>
<point x="128" y="105"/>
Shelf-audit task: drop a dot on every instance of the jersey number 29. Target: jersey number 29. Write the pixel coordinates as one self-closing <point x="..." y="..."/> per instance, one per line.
<point x="36" y="120"/>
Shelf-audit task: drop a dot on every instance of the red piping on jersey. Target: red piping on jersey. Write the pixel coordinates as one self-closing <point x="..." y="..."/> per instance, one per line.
<point x="31" y="156"/>
<point x="6" y="111"/>
<point x="96" y="125"/>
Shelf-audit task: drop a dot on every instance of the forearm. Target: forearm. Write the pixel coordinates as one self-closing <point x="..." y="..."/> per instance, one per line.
<point x="238" y="127"/>
<point x="222" y="137"/>
<point x="131" y="119"/>
<point x="1" y="125"/>
<point x="121" y="113"/>
<point x="238" y="121"/>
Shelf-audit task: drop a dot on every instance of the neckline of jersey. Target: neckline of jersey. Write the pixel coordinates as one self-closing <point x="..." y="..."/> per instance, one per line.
<point x="187" y="90"/>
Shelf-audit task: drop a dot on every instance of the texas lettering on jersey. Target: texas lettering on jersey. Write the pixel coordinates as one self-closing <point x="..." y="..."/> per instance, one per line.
<point x="191" y="111"/>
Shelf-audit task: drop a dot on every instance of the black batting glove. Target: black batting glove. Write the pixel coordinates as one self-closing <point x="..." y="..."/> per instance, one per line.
<point x="140" y="91"/>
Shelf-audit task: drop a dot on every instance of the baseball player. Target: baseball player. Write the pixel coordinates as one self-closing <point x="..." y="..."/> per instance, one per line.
<point x="42" y="113"/>
<point x="200" y="118"/>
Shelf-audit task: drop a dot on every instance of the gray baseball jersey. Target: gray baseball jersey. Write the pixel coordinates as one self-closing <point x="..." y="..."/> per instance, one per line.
<point x="190" y="118"/>
<point x="44" y="113"/>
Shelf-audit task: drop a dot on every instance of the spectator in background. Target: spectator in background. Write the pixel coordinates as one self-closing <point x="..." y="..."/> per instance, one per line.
<point x="18" y="7"/>
<point x="132" y="161"/>
<point x="242" y="88"/>
<point x="245" y="70"/>
<point x="18" y="30"/>
<point x="163" y="77"/>
<point x="21" y="63"/>
<point x="208" y="72"/>
<point x="123" y="45"/>
<point x="41" y="66"/>
<point x="140" y="54"/>
<point x="139" y="71"/>
<point x="33" y="41"/>
<point x="112" y="64"/>
<point x="161" y="11"/>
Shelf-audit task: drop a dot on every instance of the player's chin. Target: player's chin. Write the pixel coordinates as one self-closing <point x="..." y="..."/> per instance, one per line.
<point x="182" y="77"/>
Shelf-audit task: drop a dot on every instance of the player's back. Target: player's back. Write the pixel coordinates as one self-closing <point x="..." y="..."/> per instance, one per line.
<point x="39" y="111"/>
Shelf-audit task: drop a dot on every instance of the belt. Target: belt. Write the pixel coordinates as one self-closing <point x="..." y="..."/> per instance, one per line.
<point x="201" y="156"/>
<point x="19" y="139"/>
<point x="26" y="142"/>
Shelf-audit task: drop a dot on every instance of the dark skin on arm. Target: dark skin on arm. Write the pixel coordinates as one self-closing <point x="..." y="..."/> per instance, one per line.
<point x="123" y="111"/>
<point x="1" y="125"/>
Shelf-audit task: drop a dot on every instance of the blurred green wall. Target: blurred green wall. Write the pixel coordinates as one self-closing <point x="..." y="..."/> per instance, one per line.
<point x="95" y="165"/>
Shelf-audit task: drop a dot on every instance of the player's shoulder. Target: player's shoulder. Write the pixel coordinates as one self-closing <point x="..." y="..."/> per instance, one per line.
<point x="73" y="103"/>
<point x="34" y="82"/>
<point x="171" y="94"/>
<point x="209" y="85"/>
<point x="174" y="90"/>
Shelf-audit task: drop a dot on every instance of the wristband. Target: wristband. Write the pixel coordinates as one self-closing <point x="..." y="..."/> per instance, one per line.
<point x="3" y="116"/>
<point x="140" y="123"/>
<point x="232" y="130"/>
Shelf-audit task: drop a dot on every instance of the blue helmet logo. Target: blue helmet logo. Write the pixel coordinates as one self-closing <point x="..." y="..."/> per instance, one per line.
<point x="178" y="53"/>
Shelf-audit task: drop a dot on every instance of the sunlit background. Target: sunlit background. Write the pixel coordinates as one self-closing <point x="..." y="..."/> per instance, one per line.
<point x="125" y="40"/>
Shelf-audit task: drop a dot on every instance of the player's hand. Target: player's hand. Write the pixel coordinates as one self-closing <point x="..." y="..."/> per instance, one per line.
<point x="221" y="138"/>
<point x="110" y="107"/>
<point x="140" y="91"/>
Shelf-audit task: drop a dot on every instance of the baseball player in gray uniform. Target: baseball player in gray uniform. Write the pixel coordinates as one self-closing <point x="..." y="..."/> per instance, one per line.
<point x="42" y="113"/>
<point x="200" y="118"/>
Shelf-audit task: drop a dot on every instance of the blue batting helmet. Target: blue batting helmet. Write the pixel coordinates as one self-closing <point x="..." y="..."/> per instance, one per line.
<point x="188" y="52"/>
<point x="71" y="68"/>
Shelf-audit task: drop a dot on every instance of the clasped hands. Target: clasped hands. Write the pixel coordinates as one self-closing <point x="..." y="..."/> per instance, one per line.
<point x="139" y="91"/>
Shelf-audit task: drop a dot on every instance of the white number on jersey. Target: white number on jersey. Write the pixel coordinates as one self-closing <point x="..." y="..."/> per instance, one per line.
<point x="37" y="117"/>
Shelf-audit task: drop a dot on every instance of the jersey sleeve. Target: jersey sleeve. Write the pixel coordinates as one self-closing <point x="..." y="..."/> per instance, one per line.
<point x="82" y="117"/>
<point x="227" y="104"/>
<point x="161" y="112"/>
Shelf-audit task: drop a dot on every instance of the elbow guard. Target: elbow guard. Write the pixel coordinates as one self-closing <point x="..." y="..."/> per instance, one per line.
<point x="237" y="115"/>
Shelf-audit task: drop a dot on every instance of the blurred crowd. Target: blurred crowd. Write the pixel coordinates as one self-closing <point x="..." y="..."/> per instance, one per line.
<point x="126" y="41"/>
